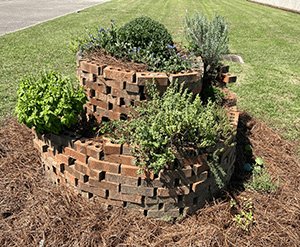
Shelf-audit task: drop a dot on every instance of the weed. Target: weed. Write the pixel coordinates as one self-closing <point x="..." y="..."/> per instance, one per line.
<point x="261" y="180"/>
<point x="245" y="216"/>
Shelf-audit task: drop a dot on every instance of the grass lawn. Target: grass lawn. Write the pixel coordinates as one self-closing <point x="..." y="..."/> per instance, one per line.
<point x="268" y="83"/>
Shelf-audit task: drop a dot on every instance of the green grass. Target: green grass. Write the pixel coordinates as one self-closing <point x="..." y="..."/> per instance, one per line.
<point x="268" y="83"/>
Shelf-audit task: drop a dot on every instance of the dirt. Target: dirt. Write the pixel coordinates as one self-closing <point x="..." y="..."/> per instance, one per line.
<point x="103" y="58"/>
<point x="34" y="212"/>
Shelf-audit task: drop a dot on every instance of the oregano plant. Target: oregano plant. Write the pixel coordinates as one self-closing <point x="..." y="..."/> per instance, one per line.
<point x="49" y="102"/>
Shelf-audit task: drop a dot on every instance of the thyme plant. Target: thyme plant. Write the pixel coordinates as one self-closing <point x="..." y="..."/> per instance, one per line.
<point x="168" y="123"/>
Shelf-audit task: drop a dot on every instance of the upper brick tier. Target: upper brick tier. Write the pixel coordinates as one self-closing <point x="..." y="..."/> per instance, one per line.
<point x="113" y="91"/>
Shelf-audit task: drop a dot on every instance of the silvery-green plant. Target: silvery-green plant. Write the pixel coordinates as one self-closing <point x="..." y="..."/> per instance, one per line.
<point x="208" y="39"/>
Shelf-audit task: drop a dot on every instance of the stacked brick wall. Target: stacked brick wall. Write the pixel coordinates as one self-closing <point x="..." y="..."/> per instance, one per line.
<point x="106" y="171"/>
<point x="113" y="91"/>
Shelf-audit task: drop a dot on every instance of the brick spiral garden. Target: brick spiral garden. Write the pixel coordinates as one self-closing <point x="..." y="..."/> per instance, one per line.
<point x="107" y="172"/>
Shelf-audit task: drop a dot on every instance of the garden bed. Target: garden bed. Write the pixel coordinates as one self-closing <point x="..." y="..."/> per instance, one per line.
<point x="105" y="171"/>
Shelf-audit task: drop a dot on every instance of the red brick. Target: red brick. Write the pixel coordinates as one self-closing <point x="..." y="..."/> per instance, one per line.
<point x="126" y="149"/>
<point x="104" y="184"/>
<point x="110" y="114"/>
<point x="51" y="153"/>
<point x="197" y="186"/>
<point x="88" y="105"/>
<point x="121" y="159"/>
<point x="163" y="192"/>
<point x="199" y="168"/>
<point x="80" y="146"/>
<point x="125" y="197"/>
<point x="82" y="167"/>
<point x="122" y="109"/>
<point x="84" y="65"/>
<point x="75" y="155"/>
<point x="130" y="171"/>
<point x="95" y="190"/>
<point x="132" y="190"/>
<point x="112" y="148"/>
<point x="40" y="146"/>
<point x="103" y="165"/>
<point x="194" y="179"/>
<point x="117" y="178"/>
<point x="227" y="77"/>
<point x="93" y="68"/>
<point x="132" y="87"/>
<point x="187" y="161"/>
<point x="62" y="158"/>
<point x="71" y="170"/>
<point x="160" y="78"/>
<point x="70" y="178"/>
<point x="110" y="202"/>
<point x="119" y="74"/>
<point x="187" y="77"/>
<point x="201" y="178"/>
<point x="95" y="150"/>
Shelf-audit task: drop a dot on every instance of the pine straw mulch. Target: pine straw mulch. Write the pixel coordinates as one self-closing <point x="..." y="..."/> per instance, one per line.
<point x="34" y="212"/>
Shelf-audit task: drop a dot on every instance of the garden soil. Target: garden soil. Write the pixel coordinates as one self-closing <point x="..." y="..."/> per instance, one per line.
<point x="34" y="212"/>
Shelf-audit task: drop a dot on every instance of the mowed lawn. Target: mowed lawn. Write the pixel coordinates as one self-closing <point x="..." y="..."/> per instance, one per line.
<point x="268" y="40"/>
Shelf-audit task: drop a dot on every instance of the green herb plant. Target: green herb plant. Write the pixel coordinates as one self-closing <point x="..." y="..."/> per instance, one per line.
<point x="261" y="180"/>
<point x="49" y="102"/>
<point x="169" y="123"/>
<point x="245" y="216"/>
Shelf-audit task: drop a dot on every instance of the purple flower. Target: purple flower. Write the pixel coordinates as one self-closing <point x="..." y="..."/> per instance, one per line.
<point x="192" y="53"/>
<point x="112" y="20"/>
<point x="139" y="48"/>
<point x="101" y="30"/>
<point x="98" y="34"/>
<point x="184" y="57"/>
<point x="107" y="29"/>
<point x="153" y="53"/>
<point x="79" y="44"/>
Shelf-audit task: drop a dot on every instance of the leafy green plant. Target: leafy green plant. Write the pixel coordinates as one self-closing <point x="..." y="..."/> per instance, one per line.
<point x="209" y="39"/>
<point x="143" y="41"/>
<point x="49" y="102"/>
<point x="143" y="30"/>
<point x="245" y="217"/>
<point x="261" y="180"/>
<point x="170" y="123"/>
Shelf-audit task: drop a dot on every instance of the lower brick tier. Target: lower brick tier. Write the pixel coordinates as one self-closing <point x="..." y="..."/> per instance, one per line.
<point x="107" y="172"/>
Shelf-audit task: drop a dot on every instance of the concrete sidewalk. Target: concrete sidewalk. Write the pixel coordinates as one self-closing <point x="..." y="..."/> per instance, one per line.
<point x="19" y="14"/>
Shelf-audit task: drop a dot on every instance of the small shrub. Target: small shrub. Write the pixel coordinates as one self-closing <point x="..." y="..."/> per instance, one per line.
<point x="169" y="123"/>
<point x="49" y="102"/>
<point x="143" y="30"/>
<point x="209" y="39"/>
